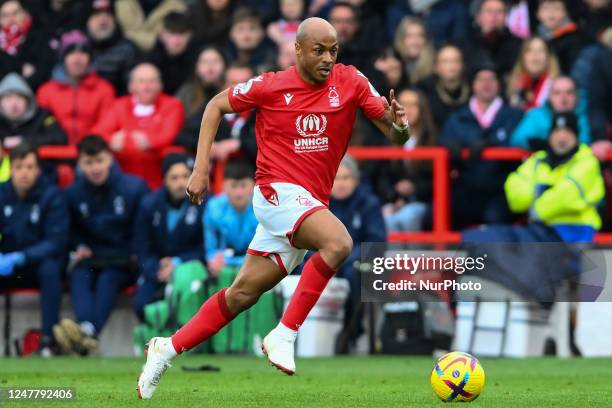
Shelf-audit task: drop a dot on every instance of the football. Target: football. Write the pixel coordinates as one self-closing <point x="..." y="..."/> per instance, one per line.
<point x="457" y="376"/>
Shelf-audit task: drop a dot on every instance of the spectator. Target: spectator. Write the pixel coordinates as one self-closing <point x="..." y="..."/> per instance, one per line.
<point x="478" y="195"/>
<point x="447" y="89"/>
<point x="413" y="45"/>
<point x="145" y="121"/>
<point x="60" y="16"/>
<point x="359" y="40"/>
<point x="600" y="89"/>
<point x="446" y="20"/>
<point x="360" y="212"/>
<point x="529" y="82"/>
<point x="112" y="54"/>
<point x="206" y="82"/>
<point x="598" y="18"/>
<point x="213" y="20"/>
<point x="536" y="123"/>
<point x="412" y="179"/>
<point x="561" y="185"/>
<point x="168" y="231"/>
<point x="285" y="29"/>
<point x="229" y="220"/>
<point x="229" y="137"/>
<point x="286" y="56"/>
<point x="103" y="203"/>
<point x="391" y="65"/>
<point x="27" y="45"/>
<point x="247" y="41"/>
<point x="491" y="43"/>
<point x="20" y="118"/>
<point x="141" y="20"/>
<point x="174" y="53"/>
<point x="34" y="224"/>
<point x="76" y="96"/>
<point x="562" y="34"/>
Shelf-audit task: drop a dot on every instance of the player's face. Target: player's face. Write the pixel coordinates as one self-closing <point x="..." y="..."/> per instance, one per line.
<point x="317" y="57"/>
<point x="562" y="141"/>
<point x="344" y="184"/>
<point x="24" y="173"/>
<point x="176" y="181"/>
<point x="96" y="168"/>
<point x="239" y="191"/>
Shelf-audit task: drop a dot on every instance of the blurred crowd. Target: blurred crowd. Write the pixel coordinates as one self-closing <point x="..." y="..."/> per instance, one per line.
<point x="127" y="80"/>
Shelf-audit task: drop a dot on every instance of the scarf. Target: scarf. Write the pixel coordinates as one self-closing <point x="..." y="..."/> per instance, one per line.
<point x="518" y="20"/>
<point x="486" y="118"/>
<point x="566" y="27"/>
<point x="12" y="36"/>
<point x="535" y="91"/>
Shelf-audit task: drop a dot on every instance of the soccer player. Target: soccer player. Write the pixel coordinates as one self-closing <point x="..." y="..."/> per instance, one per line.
<point x="305" y="116"/>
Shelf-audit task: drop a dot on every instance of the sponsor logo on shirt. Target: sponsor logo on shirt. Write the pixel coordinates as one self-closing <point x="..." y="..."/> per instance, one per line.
<point x="311" y="128"/>
<point x="245" y="87"/>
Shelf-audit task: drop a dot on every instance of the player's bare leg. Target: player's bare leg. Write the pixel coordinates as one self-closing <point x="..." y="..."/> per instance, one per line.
<point x="323" y="232"/>
<point x="257" y="275"/>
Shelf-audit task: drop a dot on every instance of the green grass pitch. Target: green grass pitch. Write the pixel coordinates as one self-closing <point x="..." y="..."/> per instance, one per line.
<point x="335" y="382"/>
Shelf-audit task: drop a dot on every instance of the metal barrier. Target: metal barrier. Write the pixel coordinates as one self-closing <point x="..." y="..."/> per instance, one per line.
<point x="440" y="233"/>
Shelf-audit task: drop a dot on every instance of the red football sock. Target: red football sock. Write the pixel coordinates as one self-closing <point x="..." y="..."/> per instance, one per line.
<point x="212" y="316"/>
<point x="315" y="275"/>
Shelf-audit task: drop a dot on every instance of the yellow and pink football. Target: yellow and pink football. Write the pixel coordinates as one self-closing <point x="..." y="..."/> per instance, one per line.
<point x="457" y="376"/>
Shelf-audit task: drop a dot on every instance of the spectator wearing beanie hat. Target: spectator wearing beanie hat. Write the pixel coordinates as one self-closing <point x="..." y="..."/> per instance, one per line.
<point x="560" y="186"/>
<point x="168" y="231"/>
<point x="75" y="95"/>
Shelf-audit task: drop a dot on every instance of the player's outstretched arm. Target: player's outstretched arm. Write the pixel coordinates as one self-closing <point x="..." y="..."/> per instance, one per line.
<point x="393" y="123"/>
<point x="215" y="109"/>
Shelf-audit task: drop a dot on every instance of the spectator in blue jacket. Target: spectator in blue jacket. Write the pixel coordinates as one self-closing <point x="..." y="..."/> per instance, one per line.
<point x="478" y="194"/>
<point x="361" y="213"/>
<point x="103" y="202"/>
<point x="229" y="220"/>
<point x="167" y="231"/>
<point x="532" y="132"/>
<point x="34" y="226"/>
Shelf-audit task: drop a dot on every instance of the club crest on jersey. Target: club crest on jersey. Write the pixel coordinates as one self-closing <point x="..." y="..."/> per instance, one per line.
<point x="334" y="97"/>
<point x="311" y="128"/>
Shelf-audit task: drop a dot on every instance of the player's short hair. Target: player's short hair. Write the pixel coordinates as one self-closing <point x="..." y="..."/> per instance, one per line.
<point x="92" y="145"/>
<point x="177" y="23"/>
<point x="238" y="170"/>
<point x="351" y="164"/>
<point x="247" y="14"/>
<point x="22" y="151"/>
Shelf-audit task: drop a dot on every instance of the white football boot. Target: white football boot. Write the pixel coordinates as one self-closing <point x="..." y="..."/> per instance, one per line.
<point x="278" y="346"/>
<point x="159" y="352"/>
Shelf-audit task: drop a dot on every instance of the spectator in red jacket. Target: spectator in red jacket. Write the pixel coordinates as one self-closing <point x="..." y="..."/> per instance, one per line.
<point x="76" y="96"/>
<point x="140" y="125"/>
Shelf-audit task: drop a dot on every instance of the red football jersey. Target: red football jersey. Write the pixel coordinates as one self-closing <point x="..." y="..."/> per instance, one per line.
<point x="303" y="130"/>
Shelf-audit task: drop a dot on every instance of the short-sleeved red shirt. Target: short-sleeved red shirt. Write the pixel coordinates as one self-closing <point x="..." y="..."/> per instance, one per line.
<point x="303" y="130"/>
